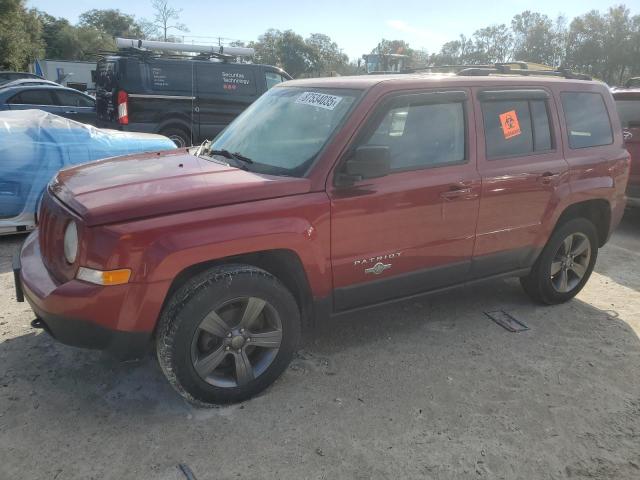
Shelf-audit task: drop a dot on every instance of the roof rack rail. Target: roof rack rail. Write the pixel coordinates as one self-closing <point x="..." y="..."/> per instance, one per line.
<point x="504" y="69"/>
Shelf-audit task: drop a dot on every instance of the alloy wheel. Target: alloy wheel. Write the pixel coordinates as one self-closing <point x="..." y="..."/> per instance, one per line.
<point x="571" y="262"/>
<point x="236" y="342"/>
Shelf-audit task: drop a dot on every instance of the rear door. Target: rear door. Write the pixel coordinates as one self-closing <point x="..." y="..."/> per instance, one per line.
<point x="76" y="106"/>
<point x="224" y="91"/>
<point x="523" y="174"/>
<point x="412" y="230"/>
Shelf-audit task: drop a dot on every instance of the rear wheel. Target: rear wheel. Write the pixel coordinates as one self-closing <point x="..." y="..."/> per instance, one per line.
<point x="178" y="136"/>
<point x="565" y="264"/>
<point x="228" y="334"/>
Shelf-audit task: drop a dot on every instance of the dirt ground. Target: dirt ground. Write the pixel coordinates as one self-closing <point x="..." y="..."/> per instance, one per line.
<point x="421" y="389"/>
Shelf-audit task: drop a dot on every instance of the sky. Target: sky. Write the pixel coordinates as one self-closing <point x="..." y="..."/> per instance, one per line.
<point x="357" y="27"/>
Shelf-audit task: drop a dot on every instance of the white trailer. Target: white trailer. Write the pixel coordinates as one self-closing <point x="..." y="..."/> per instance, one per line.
<point x="70" y="73"/>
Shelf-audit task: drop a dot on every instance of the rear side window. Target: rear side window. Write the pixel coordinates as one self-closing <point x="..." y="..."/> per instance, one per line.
<point x="71" y="99"/>
<point x="422" y="135"/>
<point x="629" y="112"/>
<point x="588" y="123"/>
<point x="516" y="127"/>
<point x="33" y="97"/>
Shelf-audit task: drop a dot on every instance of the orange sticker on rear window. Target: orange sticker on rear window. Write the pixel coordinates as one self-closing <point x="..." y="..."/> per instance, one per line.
<point x="510" y="124"/>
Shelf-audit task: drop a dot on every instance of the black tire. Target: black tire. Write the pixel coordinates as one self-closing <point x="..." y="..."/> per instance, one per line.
<point x="216" y="292"/>
<point x="179" y="136"/>
<point x="541" y="285"/>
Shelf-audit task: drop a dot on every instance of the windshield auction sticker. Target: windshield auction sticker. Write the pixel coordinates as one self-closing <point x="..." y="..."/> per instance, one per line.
<point x="510" y="124"/>
<point x="321" y="100"/>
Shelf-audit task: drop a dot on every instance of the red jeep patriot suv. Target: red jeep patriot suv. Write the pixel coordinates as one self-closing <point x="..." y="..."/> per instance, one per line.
<point x="325" y="196"/>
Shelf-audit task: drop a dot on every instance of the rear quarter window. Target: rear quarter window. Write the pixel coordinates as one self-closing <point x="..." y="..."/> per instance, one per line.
<point x="588" y="123"/>
<point x="629" y="112"/>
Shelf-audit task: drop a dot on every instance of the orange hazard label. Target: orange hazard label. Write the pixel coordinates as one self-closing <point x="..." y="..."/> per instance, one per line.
<point x="510" y="124"/>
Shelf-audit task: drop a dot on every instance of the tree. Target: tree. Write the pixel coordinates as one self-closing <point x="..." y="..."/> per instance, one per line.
<point x="533" y="37"/>
<point x="163" y="19"/>
<point x="111" y="22"/>
<point x="294" y="54"/>
<point x="605" y="46"/>
<point x="492" y="44"/>
<point x="326" y="56"/>
<point x="20" y="35"/>
<point x="68" y="42"/>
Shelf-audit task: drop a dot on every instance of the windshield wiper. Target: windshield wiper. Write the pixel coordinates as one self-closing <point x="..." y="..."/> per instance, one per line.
<point x="232" y="156"/>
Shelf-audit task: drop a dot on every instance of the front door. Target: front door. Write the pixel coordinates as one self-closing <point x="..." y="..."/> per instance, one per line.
<point x="412" y="230"/>
<point x="75" y="106"/>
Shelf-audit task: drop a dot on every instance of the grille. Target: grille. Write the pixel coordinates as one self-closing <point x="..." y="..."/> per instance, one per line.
<point x="53" y="220"/>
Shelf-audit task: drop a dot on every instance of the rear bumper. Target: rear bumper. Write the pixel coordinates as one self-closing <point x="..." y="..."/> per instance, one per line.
<point x="68" y="311"/>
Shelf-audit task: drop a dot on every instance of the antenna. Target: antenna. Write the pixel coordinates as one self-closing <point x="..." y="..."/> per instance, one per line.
<point x="183" y="47"/>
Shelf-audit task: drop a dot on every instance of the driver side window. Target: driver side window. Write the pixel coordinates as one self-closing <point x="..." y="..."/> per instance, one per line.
<point x="422" y="135"/>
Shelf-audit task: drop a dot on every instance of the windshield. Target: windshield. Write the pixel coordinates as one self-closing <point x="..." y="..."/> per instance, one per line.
<point x="285" y="129"/>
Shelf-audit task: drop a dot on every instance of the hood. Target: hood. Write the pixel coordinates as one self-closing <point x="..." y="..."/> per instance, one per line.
<point x="149" y="184"/>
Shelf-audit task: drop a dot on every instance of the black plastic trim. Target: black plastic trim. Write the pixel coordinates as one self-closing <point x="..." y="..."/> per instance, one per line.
<point x="514" y="273"/>
<point x="85" y="334"/>
<point x="529" y="94"/>
<point x="17" y="266"/>
<point x="399" y="286"/>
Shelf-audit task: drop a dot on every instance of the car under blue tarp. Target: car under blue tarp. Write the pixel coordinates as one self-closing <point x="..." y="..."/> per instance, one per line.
<point x="34" y="145"/>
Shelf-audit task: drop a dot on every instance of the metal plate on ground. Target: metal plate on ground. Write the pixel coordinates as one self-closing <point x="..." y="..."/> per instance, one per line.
<point x="506" y="321"/>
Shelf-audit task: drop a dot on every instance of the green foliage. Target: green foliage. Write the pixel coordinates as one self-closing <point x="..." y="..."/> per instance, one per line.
<point x="20" y="35"/>
<point x="606" y="46"/>
<point x="111" y="22"/>
<point x="316" y="55"/>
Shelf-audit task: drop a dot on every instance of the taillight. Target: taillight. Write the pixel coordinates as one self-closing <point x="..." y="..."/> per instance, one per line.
<point x="123" y="108"/>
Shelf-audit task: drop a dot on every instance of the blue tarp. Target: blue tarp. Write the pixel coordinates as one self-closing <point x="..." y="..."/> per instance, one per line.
<point x="34" y="145"/>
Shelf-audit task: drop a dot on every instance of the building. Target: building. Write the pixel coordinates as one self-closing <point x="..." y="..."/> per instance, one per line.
<point x="70" y="73"/>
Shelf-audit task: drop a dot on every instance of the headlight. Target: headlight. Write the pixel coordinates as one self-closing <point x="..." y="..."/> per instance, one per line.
<point x="71" y="242"/>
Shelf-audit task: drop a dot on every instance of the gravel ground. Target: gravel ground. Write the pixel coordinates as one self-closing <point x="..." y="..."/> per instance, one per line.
<point x="421" y="389"/>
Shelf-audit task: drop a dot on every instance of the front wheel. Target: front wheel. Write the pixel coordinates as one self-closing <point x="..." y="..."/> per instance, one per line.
<point x="228" y="334"/>
<point x="178" y="136"/>
<point x="565" y="264"/>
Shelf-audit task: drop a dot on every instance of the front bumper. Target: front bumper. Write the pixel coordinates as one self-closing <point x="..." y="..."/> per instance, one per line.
<point x="68" y="311"/>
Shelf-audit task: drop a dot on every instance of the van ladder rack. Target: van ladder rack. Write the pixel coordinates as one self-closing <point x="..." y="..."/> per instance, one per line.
<point x="147" y="54"/>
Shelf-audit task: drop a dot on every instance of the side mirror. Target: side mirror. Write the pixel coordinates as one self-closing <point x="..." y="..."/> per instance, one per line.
<point x="368" y="161"/>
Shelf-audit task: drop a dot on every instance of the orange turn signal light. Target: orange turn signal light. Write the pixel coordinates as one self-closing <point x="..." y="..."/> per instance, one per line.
<point x="109" y="277"/>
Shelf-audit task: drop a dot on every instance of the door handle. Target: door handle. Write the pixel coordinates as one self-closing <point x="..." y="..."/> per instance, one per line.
<point x="548" y="177"/>
<point x="69" y="112"/>
<point x="455" y="191"/>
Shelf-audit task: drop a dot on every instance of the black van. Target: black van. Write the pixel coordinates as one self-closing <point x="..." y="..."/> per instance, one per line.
<point x="188" y="100"/>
